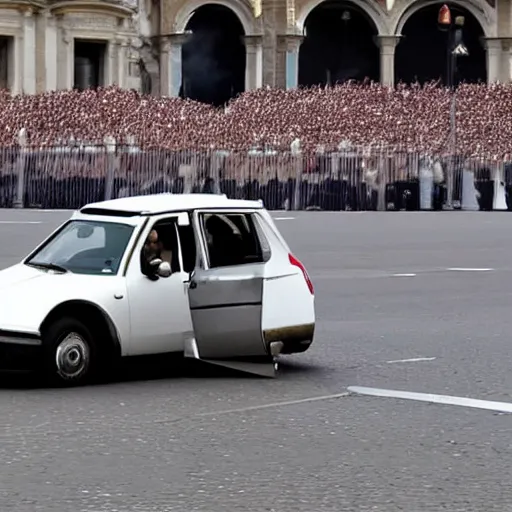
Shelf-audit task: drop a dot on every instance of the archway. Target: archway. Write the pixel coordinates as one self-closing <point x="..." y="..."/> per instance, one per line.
<point x="339" y="45"/>
<point x="421" y="56"/>
<point x="213" y="58"/>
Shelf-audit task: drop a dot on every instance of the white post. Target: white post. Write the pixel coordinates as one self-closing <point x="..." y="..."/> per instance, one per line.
<point x="20" y="164"/>
<point x="469" y="191"/>
<point x="499" y="200"/>
<point x="297" y="156"/>
<point x="110" y="145"/>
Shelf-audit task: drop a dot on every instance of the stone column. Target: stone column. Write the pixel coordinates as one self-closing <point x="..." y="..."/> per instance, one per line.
<point x="493" y="49"/>
<point x="506" y="56"/>
<point x="110" y="68"/>
<point x="165" y="67"/>
<point x="40" y="50"/>
<point x="253" y="62"/>
<point x="15" y="63"/>
<point x="122" y="62"/>
<point x="175" y="65"/>
<point x="171" y="65"/>
<point x="29" y="52"/>
<point x="50" y="52"/>
<point x="292" y="44"/>
<point x="65" y="60"/>
<point x="387" y="45"/>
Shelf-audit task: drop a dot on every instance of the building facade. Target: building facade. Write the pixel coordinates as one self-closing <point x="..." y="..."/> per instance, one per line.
<point x="52" y="45"/>
<point x="41" y="45"/>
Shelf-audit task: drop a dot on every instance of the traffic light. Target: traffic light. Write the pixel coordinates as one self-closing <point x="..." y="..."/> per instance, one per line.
<point x="444" y="19"/>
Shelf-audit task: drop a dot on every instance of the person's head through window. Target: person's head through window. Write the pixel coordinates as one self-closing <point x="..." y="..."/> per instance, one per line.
<point x="152" y="247"/>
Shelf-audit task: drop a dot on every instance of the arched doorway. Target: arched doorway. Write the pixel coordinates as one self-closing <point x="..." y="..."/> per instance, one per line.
<point x="213" y="58"/>
<point x="338" y="45"/>
<point x="421" y="55"/>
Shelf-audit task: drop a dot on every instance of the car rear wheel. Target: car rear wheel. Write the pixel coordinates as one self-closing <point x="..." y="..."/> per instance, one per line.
<point x="70" y="353"/>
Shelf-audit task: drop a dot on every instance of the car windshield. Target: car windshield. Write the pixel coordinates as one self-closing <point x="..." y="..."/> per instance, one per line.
<point x="85" y="247"/>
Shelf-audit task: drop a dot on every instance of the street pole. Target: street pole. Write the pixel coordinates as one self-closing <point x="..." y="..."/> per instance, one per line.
<point x="454" y="48"/>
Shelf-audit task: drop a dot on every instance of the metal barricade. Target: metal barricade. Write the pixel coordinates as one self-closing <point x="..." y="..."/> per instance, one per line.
<point x="343" y="179"/>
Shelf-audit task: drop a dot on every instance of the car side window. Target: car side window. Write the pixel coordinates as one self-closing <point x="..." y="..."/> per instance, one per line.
<point x="161" y="243"/>
<point x="231" y="239"/>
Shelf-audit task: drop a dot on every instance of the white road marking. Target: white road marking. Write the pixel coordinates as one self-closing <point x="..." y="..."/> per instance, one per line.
<point x="36" y="210"/>
<point x="461" y="269"/>
<point x="413" y="360"/>
<point x="284" y="218"/>
<point x="403" y="275"/>
<point x="433" y="399"/>
<point x="19" y="222"/>
<point x="275" y="404"/>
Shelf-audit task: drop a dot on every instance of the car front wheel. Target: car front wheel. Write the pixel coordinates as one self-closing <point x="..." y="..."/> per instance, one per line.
<point x="69" y="352"/>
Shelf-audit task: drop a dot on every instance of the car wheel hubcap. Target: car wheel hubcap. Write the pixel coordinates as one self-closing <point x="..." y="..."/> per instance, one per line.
<point x="72" y="357"/>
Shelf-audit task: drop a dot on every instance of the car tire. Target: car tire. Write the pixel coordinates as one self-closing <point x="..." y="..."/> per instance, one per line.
<point x="70" y="354"/>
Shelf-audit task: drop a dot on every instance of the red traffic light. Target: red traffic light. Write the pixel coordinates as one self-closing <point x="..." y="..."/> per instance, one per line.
<point x="445" y="16"/>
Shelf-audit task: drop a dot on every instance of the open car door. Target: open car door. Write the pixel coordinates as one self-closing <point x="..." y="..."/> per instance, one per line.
<point x="226" y="287"/>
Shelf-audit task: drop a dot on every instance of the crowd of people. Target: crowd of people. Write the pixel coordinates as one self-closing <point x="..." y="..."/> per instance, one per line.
<point x="412" y="117"/>
<point x="360" y="145"/>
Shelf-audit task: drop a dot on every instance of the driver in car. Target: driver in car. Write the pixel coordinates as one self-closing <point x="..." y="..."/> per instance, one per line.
<point x="150" y="252"/>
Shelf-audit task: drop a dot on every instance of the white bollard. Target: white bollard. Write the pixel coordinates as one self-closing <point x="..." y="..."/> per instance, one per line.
<point x="499" y="200"/>
<point x="19" y="200"/>
<point x="469" y="192"/>
<point x="426" y="178"/>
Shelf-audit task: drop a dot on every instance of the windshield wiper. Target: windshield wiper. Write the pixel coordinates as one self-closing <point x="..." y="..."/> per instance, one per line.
<point x="48" y="266"/>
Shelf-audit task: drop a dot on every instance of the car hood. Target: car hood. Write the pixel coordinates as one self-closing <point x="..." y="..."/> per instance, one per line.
<point x="19" y="274"/>
<point x="28" y="294"/>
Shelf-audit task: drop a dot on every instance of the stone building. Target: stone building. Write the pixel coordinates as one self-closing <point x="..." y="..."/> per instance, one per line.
<point x="43" y="45"/>
<point x="48" y="45"/>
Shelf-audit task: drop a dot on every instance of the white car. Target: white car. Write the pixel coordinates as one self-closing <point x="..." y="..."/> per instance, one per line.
<point x="198" y="274"/>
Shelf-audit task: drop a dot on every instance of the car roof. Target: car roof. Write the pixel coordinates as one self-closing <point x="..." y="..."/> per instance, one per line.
<point x="162" y="203"/>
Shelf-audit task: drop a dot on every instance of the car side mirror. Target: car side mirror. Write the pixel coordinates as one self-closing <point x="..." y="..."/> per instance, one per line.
<point x="164" y="269"/>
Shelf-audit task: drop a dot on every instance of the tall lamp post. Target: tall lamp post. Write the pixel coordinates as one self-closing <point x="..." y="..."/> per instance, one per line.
<point x="455" y="48"/>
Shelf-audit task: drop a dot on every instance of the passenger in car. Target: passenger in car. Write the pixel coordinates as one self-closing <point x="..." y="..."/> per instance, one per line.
<point x="150" y="252"/>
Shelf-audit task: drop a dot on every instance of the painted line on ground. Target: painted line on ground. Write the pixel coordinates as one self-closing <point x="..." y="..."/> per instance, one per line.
<point x="462" y="269"/>
<point x="20" y="222"/>
<point x="276" y="404"/>
<point x="413" y="360"/>
<point x="403" y="275"/>
<point x="433" y="399"/>
<point x="284" y="218"/>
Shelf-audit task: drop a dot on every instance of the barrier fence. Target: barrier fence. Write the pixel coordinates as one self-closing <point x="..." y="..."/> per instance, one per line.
<point x="351" y="179"/>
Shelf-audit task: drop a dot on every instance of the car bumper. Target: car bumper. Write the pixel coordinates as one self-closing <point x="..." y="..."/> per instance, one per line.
<point x="295" y="339"/>
<point x="19" y="351"/>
